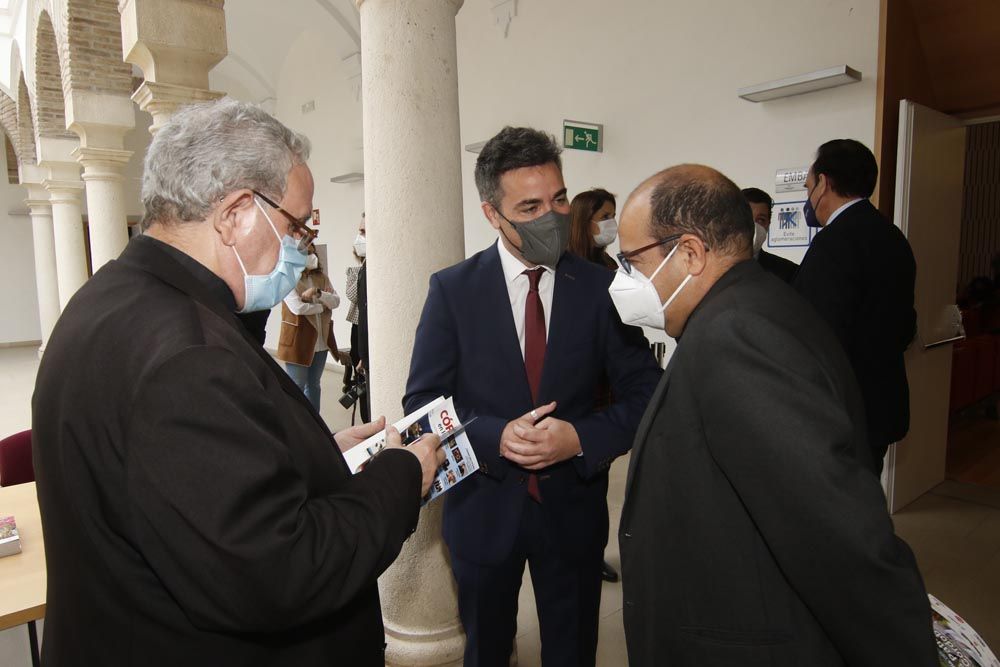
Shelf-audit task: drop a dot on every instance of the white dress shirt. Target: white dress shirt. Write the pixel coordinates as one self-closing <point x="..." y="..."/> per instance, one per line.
<point x="314" y="311"/>
<point x="844" y="207"/>
<point x="517" y="289"/>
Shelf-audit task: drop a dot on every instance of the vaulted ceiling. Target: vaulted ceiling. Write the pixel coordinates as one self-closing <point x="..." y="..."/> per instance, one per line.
<point x="260" y="33"/>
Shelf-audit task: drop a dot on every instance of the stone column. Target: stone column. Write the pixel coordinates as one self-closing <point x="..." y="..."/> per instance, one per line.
<point x="413" y="205"/>
<point x="103" y="173"/>
<point x="175" y="43"/>
<point x="45" y="260"/>
<point x="70" y="245"/>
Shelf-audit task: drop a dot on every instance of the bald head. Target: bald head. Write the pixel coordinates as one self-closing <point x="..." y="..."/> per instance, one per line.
<point x="693" y="199"/>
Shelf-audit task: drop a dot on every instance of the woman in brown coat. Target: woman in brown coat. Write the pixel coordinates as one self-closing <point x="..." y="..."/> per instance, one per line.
<point x="306" y="329"/>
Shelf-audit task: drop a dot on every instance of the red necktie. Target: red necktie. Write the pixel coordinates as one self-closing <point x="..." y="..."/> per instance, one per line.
<point x="534" y="352"/>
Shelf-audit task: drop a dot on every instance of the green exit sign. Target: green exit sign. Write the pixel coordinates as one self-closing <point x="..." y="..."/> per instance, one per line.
<point x="583" y="136"/>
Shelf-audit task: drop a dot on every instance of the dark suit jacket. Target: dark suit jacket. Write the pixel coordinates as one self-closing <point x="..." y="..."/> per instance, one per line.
<point x="859" y="275"/>
<point x="467" y="347"/>
<point x="363" y="315"/>
<point x="779" y="266"/>
<point x="753" y="532"/>
<point x="195" y="507"/>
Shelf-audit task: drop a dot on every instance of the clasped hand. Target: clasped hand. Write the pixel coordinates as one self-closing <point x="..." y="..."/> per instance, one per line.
<point x="538" y="445"/>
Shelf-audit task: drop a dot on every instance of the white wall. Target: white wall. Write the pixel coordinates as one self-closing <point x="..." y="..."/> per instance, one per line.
<point x="18" y="295"/>
<point x="662" y="78"/>
<point x="313" y="71"/>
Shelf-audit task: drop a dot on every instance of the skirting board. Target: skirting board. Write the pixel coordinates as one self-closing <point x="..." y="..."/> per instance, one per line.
<point x="21" y="343"/>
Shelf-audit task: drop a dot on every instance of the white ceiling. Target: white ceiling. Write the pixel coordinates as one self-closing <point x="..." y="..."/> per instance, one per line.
<point x="259" y="36"/>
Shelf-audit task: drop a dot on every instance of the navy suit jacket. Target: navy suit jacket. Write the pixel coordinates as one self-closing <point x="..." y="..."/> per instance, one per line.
<point x="467" y="347"/>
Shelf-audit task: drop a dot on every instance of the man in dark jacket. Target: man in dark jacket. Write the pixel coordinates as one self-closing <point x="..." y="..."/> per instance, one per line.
<point x="753" y="532"/>
<point x="196" y="508"/>
<point x="760" y="206"/>
<point x="859" y="275"/>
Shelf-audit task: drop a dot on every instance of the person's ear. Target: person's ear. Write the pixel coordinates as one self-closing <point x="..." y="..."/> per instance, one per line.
<point x="695" y="254"/>
<point x="491" y="214"/>
<point x="821" y="182"/>
<point x="234" y="216"/>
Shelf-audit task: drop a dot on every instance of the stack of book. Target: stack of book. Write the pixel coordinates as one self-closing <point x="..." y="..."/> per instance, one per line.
<point x="10" y="543"/>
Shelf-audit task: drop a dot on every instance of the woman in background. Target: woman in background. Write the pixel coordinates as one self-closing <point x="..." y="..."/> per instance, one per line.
<point x="357" y="294"/>
<point x="307" y="329"/>
<point x="592" y="229"/>
<point x="593" y="226"/>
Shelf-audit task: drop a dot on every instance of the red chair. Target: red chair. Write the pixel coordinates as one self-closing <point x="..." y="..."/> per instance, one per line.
<point x="15" y="459"/>
<point x="963" y="376"/>
<point x="985" y="361"/>
<point x="16" y="468"/>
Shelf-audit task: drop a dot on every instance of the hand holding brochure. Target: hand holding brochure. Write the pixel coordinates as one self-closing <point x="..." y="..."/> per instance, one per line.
<point x="438" y="417"/>
<point x="958" y="644"/>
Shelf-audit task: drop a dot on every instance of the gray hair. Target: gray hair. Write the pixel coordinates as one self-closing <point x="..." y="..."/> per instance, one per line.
<point x="210" y="149"/>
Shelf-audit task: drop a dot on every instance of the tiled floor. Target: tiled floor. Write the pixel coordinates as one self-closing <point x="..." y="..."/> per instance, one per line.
<point x="954" y="531"/>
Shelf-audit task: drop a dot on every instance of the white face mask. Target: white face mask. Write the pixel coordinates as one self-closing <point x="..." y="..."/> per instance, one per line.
<point x="759" y="237"/>
<point x="312" y="263"/>
<point x="359" y="245"/>
<point x="607" y="233"/>
<point x="636" y="299"/>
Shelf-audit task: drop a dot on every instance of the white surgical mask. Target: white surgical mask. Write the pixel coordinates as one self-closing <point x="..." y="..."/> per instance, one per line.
<point x="759" y="237"/>
<point x="312" y="263"/>
<point x="265" y="292"/>
<point x="636" y="299"/>
<point x="359" y="245"/>
<point x="607" y="232"/>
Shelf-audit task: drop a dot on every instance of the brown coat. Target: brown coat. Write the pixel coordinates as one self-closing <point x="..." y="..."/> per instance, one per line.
<point x="297" y="341"/>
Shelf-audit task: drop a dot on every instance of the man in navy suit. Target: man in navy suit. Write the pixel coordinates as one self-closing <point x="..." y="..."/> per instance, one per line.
<point x="521" y="335"/>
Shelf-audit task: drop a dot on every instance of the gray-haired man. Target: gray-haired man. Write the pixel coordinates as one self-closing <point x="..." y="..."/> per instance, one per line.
<point x="195" y="506"/>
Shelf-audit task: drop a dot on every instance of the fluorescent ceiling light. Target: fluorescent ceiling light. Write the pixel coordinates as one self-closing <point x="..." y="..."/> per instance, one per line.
<point x="803" y="83"/>
<point x="351" y="177"/>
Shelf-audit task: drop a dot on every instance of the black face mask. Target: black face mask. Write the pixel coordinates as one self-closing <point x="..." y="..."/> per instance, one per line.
<point x="544" y="239"/>
<point x="810" y="212"/>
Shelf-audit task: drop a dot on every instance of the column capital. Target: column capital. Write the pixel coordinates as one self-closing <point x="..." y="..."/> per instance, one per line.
<point x="39" y="206"/>
<point x="63" y="191"/>
<point x="102" y="164"/>
<point x="162" y="99"/>
<point x="457" y="4"/>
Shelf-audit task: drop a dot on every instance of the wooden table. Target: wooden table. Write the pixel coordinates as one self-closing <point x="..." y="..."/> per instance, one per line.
<point x="22" y="576"/>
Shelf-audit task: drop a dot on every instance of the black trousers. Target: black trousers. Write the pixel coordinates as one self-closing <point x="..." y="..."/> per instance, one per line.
<point x="364" y="403"/>
<point x="567" y="596"/>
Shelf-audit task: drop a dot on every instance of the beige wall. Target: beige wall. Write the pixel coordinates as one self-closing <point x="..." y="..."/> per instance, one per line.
<point x="19" y="321"/>
<point x="662" y="77"/>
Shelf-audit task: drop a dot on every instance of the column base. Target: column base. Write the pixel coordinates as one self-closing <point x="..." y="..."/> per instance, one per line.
<point x="415" y="648"/>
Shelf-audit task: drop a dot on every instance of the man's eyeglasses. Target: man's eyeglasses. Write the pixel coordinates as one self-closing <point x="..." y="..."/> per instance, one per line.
<point x="299" y="230"/>
<point x="624" y="258"/>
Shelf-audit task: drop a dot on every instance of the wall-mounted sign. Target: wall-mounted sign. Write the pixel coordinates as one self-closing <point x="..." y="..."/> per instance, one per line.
<point x="583" y="136"/>
<point x="790" y="180"/>
<point x="788" y="226"/>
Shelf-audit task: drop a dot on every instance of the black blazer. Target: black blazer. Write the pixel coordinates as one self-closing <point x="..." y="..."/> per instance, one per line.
<point x="195" y="507"/>
<point x="753" y="532"/>
<point x="779" y="266"/>
<point x="859" y="275"/>
<point x="466" y="347"/>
